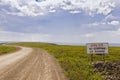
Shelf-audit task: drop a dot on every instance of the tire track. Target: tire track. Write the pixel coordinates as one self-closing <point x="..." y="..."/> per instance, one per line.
<point x="37" y="65"/>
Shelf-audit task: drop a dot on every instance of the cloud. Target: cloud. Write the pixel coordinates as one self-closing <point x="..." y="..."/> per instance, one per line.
<point x="3" y="19"/>
<point x="117" y="2"/>
<point x="110" y="17"/>
<point x="91" y="7"/>
<point x="36" y="8"/>
<point x="74" y="12"/>
<point x="89" y="35"/>
<point x="103" y="23"/>
<point x="1" y="29"/>
<point x="104" y="36"/>
<point x="100" y="26"/>
<point x="114" y="23"/>
<point x="16" y="36"/>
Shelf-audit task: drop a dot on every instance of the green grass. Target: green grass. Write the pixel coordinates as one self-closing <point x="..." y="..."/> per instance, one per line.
<point x="6" y="49"/>
<point x="74" y="59"/>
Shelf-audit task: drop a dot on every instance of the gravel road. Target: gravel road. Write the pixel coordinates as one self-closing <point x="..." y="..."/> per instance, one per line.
<point x="30" y="64"/>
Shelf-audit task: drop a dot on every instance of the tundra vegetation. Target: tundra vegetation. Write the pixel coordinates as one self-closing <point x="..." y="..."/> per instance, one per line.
<point x="7" y="49"/>
<point x="75" y="61"/>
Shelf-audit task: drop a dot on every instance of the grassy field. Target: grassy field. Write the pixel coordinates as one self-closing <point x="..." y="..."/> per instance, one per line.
<point x="74" y="59"/>
<point x="6" y="49"/>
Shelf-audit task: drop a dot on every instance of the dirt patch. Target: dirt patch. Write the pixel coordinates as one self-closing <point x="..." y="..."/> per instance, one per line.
<point x="37" y="65"/>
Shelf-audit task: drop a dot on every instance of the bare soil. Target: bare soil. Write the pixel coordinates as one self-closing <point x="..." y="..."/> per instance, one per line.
<point x="30" y="64"/>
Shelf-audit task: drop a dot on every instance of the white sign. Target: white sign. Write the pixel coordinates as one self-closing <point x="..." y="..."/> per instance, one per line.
<point x="97" y="48"/>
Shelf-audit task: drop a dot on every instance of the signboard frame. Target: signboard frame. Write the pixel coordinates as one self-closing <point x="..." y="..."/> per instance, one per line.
<point x="97" y="49"/>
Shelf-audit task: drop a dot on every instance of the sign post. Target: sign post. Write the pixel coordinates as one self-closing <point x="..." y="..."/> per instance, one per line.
<point x="98" y="49"/>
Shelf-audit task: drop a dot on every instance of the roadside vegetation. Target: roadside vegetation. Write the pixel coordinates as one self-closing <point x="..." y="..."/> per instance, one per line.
<point x="7" y="49"/>
<point x="75" y="61"/>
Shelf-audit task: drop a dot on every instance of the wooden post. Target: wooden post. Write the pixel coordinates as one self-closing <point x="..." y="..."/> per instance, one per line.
<point x="104" y="57"/>
<point x="91" y="57"/>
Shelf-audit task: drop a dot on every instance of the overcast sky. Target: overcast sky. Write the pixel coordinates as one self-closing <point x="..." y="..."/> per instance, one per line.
<point x="66" y="21"/>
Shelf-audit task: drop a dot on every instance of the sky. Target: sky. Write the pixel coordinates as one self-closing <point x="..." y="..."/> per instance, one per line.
<point x="60" y="21"/>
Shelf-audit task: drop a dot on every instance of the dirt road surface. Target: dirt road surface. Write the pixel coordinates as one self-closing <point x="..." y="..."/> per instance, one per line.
<point x="30" y="64"/>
